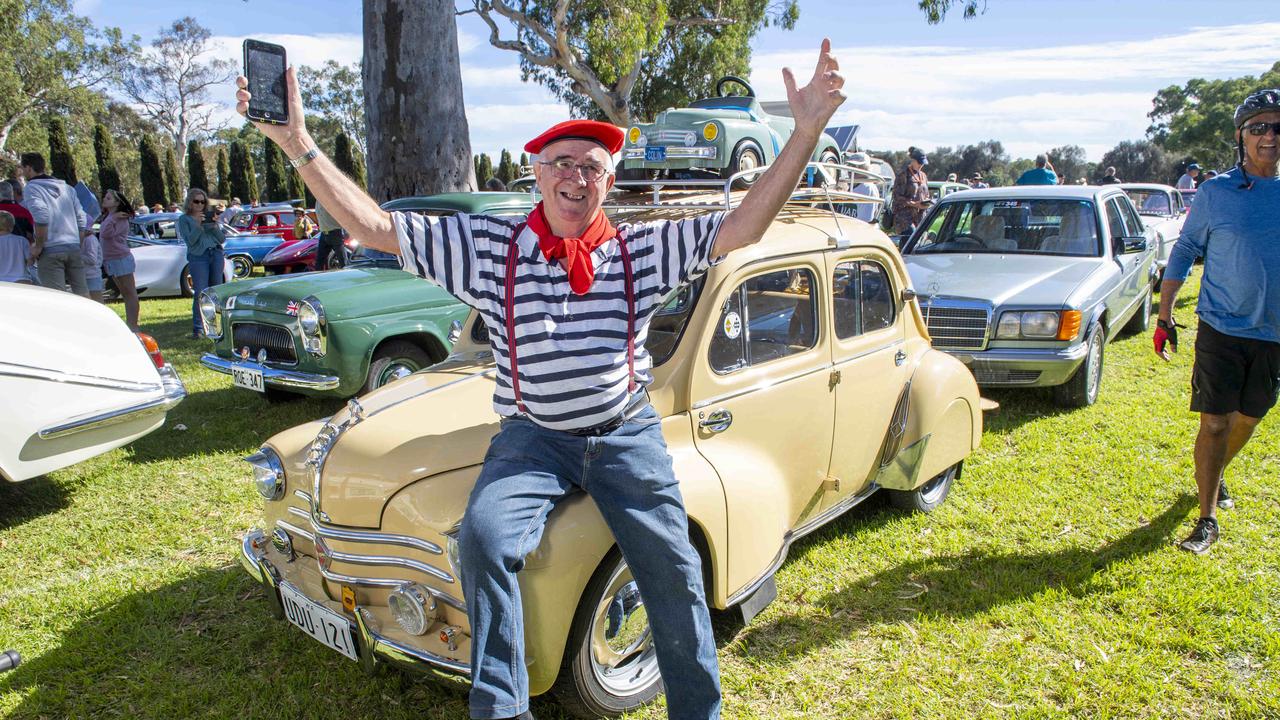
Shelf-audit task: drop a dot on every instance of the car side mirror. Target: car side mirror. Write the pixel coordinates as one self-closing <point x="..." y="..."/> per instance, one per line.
<point x="909" y="294"/>
<point x="1128" y="245"/>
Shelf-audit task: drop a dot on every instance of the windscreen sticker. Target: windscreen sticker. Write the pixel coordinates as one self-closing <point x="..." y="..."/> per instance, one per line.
<point x="1009" y="203"/>
<point x="732" y="325"/>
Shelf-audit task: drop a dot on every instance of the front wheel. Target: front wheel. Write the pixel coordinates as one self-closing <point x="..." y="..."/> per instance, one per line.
<point x="611" y="663"/>
<point x="241" y="267"/>
<point x="1083" y="387"/>
<point x="186" y="284"/>
<point x="928" y="496"/>
<point x="393" y="360"/>
<point x="746" y="157"/>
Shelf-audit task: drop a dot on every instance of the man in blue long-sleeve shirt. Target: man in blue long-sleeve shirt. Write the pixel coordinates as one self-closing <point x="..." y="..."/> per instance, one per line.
<point x="1234" y="224"/>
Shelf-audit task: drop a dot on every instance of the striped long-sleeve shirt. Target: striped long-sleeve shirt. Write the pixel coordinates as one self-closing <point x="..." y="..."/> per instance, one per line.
<point x="571" y="349"/>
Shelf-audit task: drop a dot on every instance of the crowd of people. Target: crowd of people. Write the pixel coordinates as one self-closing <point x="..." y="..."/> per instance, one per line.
<point x="63" y="237"/>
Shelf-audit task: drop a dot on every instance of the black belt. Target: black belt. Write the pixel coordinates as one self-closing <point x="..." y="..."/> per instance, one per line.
<point x="638" y="403"/>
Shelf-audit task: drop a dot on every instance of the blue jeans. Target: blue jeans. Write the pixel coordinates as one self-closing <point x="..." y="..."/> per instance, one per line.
<point x="206" y="270"/>
<point x="628" y="473"/>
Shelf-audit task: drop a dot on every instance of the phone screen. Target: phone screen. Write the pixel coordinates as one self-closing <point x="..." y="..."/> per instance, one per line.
<point x="265" y="70"/>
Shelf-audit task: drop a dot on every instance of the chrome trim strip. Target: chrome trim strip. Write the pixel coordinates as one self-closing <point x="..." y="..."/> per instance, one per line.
<point x="273" y="376"/>
<point x="174" y="392"/>
<point x="442" y="596"/>
<point x="859" y="356"/>
<point x="35" y="373"/>
<point x="296" y="530"/>
<point x="389" y="561"/>
<point x="366" y="536"/>
<point x="793" y="535"/>
<point x="763" y="385"/>
<point x="304" y="496"/>
<point x="300" y="513"/>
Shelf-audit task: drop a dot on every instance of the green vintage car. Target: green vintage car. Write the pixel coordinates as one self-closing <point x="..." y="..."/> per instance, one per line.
<point x="343" y="332"/>
<point x="722" y="136"/>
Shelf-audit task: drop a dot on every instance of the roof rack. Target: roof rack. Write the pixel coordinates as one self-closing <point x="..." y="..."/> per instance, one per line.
<point x="828" y="184"/>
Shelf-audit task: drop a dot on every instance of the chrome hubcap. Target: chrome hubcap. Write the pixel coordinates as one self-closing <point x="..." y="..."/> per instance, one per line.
<point x="1095" y="366"/>
<point x="932" y="491"/>
<point x="396" y="370"/>
<point x="747" y="161"/>
<point x="623" y="657"/>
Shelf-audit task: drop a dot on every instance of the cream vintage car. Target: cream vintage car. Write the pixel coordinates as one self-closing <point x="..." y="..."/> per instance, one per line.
<point x="795" y="380"/>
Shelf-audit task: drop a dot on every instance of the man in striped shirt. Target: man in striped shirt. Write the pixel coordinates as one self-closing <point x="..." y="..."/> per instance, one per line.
<point x="567" y="299"/>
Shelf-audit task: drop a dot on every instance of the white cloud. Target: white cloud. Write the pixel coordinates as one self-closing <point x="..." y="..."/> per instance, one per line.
<point x="1093" y="95"/>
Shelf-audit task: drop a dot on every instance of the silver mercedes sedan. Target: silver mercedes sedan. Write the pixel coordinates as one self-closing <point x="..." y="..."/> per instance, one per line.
<point x="1025" y="285"/>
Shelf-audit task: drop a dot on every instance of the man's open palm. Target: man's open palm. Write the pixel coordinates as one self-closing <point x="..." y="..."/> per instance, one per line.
<point x="814" y="104"/>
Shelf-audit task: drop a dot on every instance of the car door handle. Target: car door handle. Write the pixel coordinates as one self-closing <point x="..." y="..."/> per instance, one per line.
<point x="899" y="358"/>
<point x="718" y="421"/>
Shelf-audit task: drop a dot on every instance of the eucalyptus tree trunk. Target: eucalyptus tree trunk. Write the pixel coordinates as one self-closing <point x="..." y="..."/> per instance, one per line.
<point x="418" y="142"/>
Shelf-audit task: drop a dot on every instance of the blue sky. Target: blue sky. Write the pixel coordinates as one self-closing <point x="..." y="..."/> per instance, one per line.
<point x="1033" y="74"/>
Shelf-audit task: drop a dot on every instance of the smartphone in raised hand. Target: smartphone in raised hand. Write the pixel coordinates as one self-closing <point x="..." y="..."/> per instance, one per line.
<point x="264" y="66"/>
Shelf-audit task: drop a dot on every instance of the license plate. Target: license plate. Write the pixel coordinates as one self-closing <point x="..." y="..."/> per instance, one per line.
<point x="655" y="153"/>
<point x="247" y="377"/>
<point x="330" y="628"/>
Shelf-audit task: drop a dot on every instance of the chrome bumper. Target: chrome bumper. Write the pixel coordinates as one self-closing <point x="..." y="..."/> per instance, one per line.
<point x="373" y="647"/>
<point x="273" y="376"/>
<point x="173" y="391"/>
<point x="674" y="152"/>
<point x="1010" y="367"/>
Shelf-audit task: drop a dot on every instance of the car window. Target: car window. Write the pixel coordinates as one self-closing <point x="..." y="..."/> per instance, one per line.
<point x="1133" y="223"/>
<point x="1150" y="202"/>
<point x="862" y="298"/>
<point x="1049" y="226"/>
<point x="287" y="218"/>
<point x="767" y="317"/>
<point x="267" y="221"/>
<point x="166" y="230"/>
<point x="1122" y="220"/>
<point x="669" y="323"/>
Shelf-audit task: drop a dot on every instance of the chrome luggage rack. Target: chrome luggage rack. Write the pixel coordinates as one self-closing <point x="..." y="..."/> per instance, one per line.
<point x="829" y="185"/>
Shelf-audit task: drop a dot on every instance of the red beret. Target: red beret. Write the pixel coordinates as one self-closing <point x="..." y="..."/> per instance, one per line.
<point x="608" y="136"/>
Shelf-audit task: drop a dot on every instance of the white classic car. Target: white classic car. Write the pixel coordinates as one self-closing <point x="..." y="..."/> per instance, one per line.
<point x="76" y="382"/>
<point x="1025" y="285"/>
<point x="1162" y="210"/>
<point x="162" y="269"/>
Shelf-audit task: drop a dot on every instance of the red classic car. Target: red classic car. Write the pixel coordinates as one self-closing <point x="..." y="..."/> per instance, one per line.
<point x="269" y="219"/>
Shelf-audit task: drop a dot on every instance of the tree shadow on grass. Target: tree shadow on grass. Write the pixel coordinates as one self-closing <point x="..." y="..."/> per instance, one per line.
<point x="226" y="419"/>
<point x="954" y="586"/>
<point x="24" y="501"/>
<point x="207" y="647"/>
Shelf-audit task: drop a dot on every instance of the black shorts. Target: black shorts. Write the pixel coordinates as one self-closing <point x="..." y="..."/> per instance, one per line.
<point x="1234" y="374"/>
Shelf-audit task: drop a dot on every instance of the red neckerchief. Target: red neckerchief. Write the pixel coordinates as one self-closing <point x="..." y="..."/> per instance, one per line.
<point x="576" y="250"/>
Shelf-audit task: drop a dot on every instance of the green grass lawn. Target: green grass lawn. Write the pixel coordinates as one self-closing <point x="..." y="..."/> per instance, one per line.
<point x="1048" y="584"/>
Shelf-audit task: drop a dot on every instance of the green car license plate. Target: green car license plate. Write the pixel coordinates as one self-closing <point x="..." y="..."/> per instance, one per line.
<point x="655" y="153"/>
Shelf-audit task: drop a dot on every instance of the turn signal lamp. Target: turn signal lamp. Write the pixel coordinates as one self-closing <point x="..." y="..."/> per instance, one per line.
<point x="153" y="349"/>
<point x="1069" y="328"/>
<point x="710" y="132"/>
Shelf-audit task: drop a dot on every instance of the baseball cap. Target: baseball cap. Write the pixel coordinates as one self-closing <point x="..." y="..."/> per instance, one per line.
<point x="918" y="155"/>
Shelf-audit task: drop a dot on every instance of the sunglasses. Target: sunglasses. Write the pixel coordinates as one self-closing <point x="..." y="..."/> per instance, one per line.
<point x="197" y="202"/>
<point x="1261" y="128"/>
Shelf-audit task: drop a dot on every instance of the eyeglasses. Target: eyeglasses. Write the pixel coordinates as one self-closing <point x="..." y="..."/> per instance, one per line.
<point x="566" y="169"/>
<point x="1261" y="128"/>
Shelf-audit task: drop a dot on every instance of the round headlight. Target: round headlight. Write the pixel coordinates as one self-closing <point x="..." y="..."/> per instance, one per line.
<point x="710" y="132"/>
<point x="453" y="555"/>
<point x="633" y="135"/>
<point x="268" y="473"/>
<point x="412" y="607"/>
<point x="309" y="319"/>
<point x="208" y="306"/>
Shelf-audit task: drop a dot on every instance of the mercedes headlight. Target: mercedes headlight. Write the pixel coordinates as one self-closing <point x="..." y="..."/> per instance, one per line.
<point x="1028" y="324"/>
<point x="210" y="315"/>
<point x="268" y="473"/>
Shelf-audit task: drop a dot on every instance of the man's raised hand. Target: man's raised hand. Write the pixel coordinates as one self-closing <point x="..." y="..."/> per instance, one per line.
<point x="292" y="137"/>
<point x="814" y="104"/>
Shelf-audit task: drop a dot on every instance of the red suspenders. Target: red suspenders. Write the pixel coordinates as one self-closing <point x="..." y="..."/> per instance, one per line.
<point x="513" y="257"/>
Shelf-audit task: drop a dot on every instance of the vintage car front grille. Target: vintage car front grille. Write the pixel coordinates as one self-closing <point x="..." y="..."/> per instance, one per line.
<point x="1005" y="377"/>
<point x="673" y="137"/>
<point x="277" y="341"/>
<point x="958" y="328"/>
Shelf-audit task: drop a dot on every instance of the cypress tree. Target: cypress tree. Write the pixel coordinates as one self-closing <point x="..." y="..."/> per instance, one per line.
<point x="343" y="155"/>
<point x="360" y="177"/>
<point x="61" y="163"/>
<point x="486" y="169"/>
<point x="253" y="176"/>
<point x="105" y="154"/>
<point x="172" y="175"/>
<point x="277" y="186"/>
<point x="506" y="167"/>
<point x="195" y="167"/>
<point x="475" y="160"/>
<point x="224" y="175"/>
<point x="239" y="169"/>
<point x="524" y="160"/>
<point x="151" y="173"/>
<point x="298" y="188"/>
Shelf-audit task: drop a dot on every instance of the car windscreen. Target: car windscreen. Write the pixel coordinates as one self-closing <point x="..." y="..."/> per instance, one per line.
<point x="1024" y="226"/>
<point x="1150" y="202"/>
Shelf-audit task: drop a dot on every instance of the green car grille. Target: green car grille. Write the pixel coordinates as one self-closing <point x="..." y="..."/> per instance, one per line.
<point x="277" y="341"/>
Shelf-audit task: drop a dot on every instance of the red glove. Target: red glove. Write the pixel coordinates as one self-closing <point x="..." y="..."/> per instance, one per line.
<point x="1166" y="332"/>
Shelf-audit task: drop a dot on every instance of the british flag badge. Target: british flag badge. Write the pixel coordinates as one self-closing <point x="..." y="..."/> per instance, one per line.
<point x="292" y="308"/>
